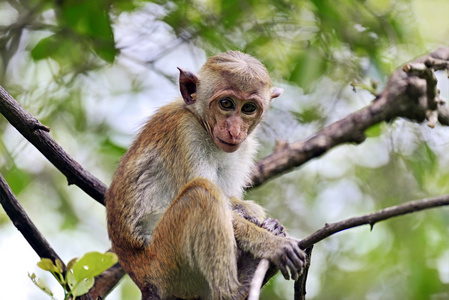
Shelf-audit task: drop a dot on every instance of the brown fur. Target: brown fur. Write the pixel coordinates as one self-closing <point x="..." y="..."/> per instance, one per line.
<point x="174" y="212"/>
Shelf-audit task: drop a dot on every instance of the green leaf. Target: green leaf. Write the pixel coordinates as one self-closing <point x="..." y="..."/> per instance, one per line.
<point x="40" y="284"/>
<point x="93" y="264"/>
<point x="59" y="266"/>
<point x="307" y="115"/>
<point x="71" y="280"/>
<point x="17" y="179"/>
<point x="90" y="19"/>
<point x="231" y="11"/>
<point x="61" y="48"/>
<point x="71" y="263"/>
<point x="47" y="264"/>
<point x="108" y="147"/>
<point x="46" y="47"/>
<point x="83" y="287"/>
<point x="374" y="131"/>
<point x="310" y="65"/>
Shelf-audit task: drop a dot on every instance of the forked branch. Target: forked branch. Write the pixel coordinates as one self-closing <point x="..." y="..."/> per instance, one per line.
<point x="332" y="228"/>
<point x="410" y="93"/>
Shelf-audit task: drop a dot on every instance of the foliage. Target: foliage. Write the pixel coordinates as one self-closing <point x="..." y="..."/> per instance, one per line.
<point x="80" y="274"/>
<point x="300" y="40"/>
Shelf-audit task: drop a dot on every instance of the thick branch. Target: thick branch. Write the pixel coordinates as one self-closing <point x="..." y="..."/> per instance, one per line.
<point x="24" y="224"/>
<point x="37" y="134"/>
<point x="408" y="94"/>
<point x="106" y="282"/>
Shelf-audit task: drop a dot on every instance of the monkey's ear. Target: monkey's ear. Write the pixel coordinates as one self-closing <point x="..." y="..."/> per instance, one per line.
<point x="187" y="85"/>
<point x="276" y="92"/>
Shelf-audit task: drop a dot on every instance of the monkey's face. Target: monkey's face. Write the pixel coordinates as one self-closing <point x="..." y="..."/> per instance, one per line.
<point x="231" y="117"/>
<point x="229" y="96"/>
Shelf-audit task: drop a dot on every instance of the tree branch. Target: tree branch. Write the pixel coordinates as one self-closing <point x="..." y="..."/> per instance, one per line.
<point x="37" y="134"/>
<point x="404" y="96"/>
<point x="400" y="98"/>
<point x="300" y="284"/>
<point x="257" y="281"/>
<point x="262" y="268"/>
<point x="105" y="282"/>
<point x="409" y="93"/>
<point x="371" y="219"/>
<point x="24" y="224"/>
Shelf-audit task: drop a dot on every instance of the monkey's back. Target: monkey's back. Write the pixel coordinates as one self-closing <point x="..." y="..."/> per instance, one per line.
<point x="144" y="181"/>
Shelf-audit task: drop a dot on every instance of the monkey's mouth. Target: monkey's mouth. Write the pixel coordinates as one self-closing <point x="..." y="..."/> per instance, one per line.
<point x="226" y="143"/>
<point x="225" y="146"/>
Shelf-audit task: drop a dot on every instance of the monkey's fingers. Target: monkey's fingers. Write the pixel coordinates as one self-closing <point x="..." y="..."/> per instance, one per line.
<point x="280" y="230"/>
<point x="297" y="260"/>
<point x="302" y="255"/>
<point x="283" y="268"/>
<point x="267" y="224"/>
<point x="273" y="226"/>
<point x="295" y="264"/>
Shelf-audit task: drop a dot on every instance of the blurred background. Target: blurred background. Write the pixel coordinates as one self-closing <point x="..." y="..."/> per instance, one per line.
<point x="94" y="70"/>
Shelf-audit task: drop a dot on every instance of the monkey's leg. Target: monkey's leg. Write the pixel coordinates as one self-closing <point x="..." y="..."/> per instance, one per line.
<point x="284" y="252"/>
<point x="247" y="263"/>
<point x="193" y="248"/>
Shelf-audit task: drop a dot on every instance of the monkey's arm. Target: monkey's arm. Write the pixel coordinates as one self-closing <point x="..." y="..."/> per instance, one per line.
<point x="255" y="213"/>
<point x="282" y="251"/>
<point x="249" y="210"/>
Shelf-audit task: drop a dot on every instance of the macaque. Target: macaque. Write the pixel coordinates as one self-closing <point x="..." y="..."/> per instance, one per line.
<point x="175" y="214"/>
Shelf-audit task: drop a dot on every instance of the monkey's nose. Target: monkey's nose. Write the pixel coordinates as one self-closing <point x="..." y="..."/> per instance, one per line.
<point x="234" y="134"/>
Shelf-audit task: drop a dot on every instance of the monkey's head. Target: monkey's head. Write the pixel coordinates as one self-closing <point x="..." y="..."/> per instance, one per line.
<point x="230" y="95"/>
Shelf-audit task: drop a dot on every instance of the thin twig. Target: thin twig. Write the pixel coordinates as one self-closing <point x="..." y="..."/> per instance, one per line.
<point x="370" y="219"/>
<point x="300" y="284"/>
<point x="256" y="282"/>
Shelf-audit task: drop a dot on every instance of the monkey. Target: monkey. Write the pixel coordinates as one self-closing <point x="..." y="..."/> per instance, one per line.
<point x="175" y="211"/>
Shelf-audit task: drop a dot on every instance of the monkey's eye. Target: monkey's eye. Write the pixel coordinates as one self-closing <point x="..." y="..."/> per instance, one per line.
<point x="249" y="108"/>
<point x="226" y="103"/>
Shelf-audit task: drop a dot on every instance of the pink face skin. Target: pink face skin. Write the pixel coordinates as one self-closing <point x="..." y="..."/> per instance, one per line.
<point x="232" y="113"/>
<point x="234" y="116"/>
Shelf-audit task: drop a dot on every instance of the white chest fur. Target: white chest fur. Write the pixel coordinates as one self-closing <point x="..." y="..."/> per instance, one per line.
<point x="229" y="171"/>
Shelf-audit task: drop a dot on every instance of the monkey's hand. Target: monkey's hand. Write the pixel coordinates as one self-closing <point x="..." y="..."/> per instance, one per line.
<point x="273" y="226"/>
<point x="283" y="252"/>
<point x="289" y="258"/>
